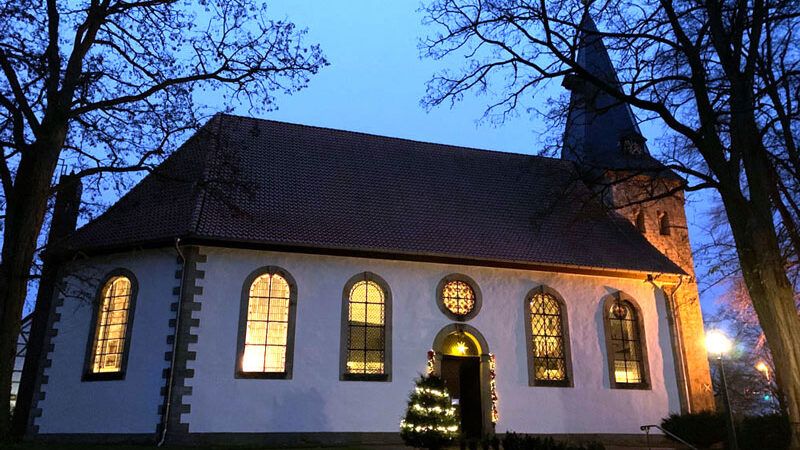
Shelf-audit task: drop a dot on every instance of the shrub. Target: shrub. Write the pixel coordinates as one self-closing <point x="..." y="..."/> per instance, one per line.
<point x="770" y="431"/>
<point x="702" y="429"/>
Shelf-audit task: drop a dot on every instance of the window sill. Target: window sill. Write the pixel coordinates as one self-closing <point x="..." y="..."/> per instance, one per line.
<point x="551" y="383"/>
<point x="263" y="375"/>
<point x="631" y="386"/>
<point x="364" y="377"/>
<point x="103" y="376"/>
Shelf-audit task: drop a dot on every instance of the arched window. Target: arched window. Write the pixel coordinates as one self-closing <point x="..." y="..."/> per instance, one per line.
<point x="547" y="338"/>
<point x="111" y="329"/>
<point x="458" y="297"/>
<point x="663" y="224"/>
<point x="266" y="331"/>
<point x="366" y="321"/>
<point x="625" y="343"/>
<point x="640" y="225"/>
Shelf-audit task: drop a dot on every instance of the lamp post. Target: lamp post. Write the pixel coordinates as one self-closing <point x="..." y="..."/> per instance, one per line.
<point x="718" y="344"/>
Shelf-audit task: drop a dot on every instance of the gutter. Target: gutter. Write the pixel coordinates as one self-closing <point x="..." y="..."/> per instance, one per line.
<point x="171" y="368"/>
<point x="436" y="258"/>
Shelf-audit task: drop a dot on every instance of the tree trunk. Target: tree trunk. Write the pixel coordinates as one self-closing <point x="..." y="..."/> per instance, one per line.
<point x="773" y="300"/>
<point x="62" y="224"/>
<point x="763" y="266"/>
<point x="25" y="211"/>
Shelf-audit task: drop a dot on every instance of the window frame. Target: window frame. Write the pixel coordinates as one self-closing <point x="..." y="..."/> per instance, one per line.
<point x="387" y="329"/>
<point x="640" y="221"/>
<point x="645" y="362"/>
<point x="475" y="290"/>
<point x="88" y="375"/>
<point x="664" y="224"/>
<point x="532" y="381"/>
<point x="243" y="308"/>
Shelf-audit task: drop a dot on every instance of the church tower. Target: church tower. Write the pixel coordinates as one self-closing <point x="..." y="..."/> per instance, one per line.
<point x="603" y="139"/>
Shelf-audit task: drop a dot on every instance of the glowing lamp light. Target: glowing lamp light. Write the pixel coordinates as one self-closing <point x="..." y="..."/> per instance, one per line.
<point x="763" y="368"/>
<point x="461" y="348"/>
<point x="717" y="343"/>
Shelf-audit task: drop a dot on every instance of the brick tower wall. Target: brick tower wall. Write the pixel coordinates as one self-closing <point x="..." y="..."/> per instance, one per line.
<point x="630" y="197"/>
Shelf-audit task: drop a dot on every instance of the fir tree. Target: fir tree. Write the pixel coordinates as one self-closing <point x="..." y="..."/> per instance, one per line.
<point x="431" y="420"/>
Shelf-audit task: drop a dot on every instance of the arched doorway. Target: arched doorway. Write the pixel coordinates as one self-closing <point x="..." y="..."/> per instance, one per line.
<point x="462" y="358"/>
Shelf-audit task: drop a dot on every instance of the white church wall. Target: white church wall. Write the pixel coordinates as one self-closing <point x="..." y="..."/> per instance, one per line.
<point x="316" y="400"/>
<point x="127" y="406"/>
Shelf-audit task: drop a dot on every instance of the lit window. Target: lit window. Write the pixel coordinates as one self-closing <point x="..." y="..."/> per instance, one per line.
<point x="366" y="332"/>
<point x="458" y="297"/>
<point x="111" y="326"/>
<point x="267" y="325"/>
<point x="547" y="338"/>
<point x="625" y="345"/>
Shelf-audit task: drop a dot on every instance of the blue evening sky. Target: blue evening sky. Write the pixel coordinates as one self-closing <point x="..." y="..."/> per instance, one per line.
<point x="377" y="78"/>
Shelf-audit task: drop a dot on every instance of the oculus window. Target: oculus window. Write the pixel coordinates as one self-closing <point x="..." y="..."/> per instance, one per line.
<point x="458" y="297"/>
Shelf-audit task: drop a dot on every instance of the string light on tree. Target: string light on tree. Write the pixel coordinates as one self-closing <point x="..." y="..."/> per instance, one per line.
<point x="431" y="420"/>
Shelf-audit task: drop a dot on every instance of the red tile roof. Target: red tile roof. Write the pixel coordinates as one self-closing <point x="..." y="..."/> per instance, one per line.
<point x="258" y="182"/>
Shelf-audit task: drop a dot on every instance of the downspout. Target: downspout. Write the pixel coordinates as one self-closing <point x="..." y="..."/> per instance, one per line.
<point x="171" y="368"/>
<point x="677" y="341"/>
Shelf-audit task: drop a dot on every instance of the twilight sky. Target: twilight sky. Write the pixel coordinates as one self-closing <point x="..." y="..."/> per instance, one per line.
<point x="376" y="80"/>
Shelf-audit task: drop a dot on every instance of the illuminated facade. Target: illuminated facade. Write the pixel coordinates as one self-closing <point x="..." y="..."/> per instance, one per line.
<point x="330" y="389"/>
<point x="268" y="291"/>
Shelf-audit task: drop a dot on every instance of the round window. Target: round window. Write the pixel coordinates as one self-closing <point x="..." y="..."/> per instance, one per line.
<point x="458" y="297"/>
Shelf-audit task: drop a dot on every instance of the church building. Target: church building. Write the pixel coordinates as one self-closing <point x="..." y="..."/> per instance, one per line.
<point x="275" y="283"/>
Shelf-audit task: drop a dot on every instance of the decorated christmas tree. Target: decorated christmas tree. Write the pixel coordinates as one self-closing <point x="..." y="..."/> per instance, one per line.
<point x="431" y="420"/>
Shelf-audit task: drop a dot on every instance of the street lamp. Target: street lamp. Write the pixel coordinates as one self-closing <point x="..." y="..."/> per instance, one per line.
<point x="763" y="368"/>
<point x="718" y="344"/>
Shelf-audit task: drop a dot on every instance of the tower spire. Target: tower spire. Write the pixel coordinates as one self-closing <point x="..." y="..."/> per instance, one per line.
<point x="602" y="132"/>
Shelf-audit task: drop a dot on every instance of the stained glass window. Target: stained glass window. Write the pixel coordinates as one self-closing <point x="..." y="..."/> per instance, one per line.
<point x="112" y="323"/>
<point x="458" y="297"/>
<point x="547" y="336"/>
<point x="366" y="339"/>
<point x="267" y="325"/>
<point x="625" y="343"/>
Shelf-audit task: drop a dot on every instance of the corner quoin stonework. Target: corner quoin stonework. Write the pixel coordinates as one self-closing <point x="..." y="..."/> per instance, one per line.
<point x="186" y="334"/>
<point x="676" y="246"/>
<point x="45" y="362"/>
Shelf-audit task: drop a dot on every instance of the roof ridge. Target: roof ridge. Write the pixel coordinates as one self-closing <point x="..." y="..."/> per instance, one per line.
<point x="394" y="138"/>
